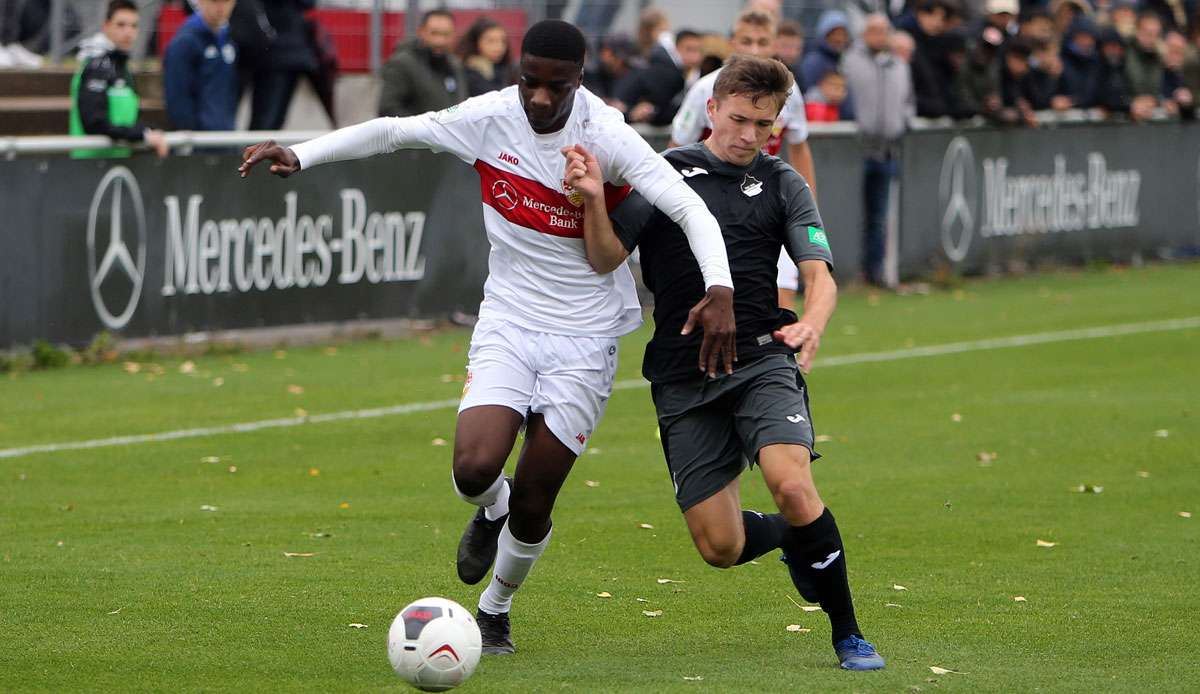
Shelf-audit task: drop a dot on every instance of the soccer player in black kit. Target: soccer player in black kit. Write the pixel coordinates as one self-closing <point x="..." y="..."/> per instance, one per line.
<point x="711" y="425"/>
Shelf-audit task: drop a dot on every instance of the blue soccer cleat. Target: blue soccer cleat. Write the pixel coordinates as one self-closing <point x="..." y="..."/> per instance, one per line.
<point x="857" y="654"/>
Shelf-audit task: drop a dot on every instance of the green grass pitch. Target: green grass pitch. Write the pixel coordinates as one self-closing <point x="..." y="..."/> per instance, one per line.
<point x="114" y="577"/>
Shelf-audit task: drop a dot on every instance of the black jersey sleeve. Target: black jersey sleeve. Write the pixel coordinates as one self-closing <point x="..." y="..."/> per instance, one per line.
<point x="804" y="233"/>
<point x="631" y="218"/>
<point x="93" y="103"/>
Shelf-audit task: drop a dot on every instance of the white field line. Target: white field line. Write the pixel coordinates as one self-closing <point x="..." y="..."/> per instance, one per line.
<point x="410" y="408"/>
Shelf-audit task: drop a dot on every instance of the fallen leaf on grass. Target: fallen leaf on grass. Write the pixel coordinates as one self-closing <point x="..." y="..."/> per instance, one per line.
<point x="652" y="613"/>
<point x="897" y="586"/>
<point x="218" y="382"/>
<point x="1143" y="474"/>
<point x="319" y="535"/>
<point x="356" y="625"/>
<point x="60" y="543"/>
<point x="697" y="678"/>
<point x="645" y="526"/>
<point x="280" y="354"/>
<point x="806" y="608"/>
<point x="1045" y="543"/>
<point x="438" y="442"/>
<point x="241" y="368"/>
<point x="295" y="389"/>
<point x="1020" y="598"/>
<point x="344" y="505"/>
<point x="131" y="367"/>
<point x="823" y="438"/>
<point x="187" y="367"/>
<point x="591" y="483"/>
<point x="604" y="594"/>
<point x="944" y="671"/>
<point x="985" y="457"/>
<point x="1185" y="514"/>
<point x="797" y="629"/>
<point x="663" y="581"/>
<point x="891" y="604"/>
<point x="1088" y="489"/>
<point x="956" y="417"/>
<point x="207" y="507"/>
<point x="314" y="472"/>
<point x="329" y="351"/>
<point x="299" y="554"/>
<point x="233" y="468"/>
<point x="211" y="459"/>
<point x="446" y="378"/>
<point x="594" y="451"/>
<point x="117" y="611"/>
<point x="1162" y="434"/>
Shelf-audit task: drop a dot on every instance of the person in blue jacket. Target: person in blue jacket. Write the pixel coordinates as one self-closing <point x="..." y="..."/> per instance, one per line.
<point x="200" y="75"/>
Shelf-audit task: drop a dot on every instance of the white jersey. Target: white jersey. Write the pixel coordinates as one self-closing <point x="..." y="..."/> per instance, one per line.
<point x="538" y="273"/>
<point x="692" y="123"/>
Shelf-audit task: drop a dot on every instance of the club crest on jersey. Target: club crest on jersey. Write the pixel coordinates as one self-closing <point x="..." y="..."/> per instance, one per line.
<point x="751" y="186"/>
<point x="573" y="196"/>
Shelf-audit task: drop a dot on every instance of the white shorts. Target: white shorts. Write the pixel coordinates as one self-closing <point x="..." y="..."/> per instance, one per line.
<point x="789" y="274"/>
<point x="566" y="379"/>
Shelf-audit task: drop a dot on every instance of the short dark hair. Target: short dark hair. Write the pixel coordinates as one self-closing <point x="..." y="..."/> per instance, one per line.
<point x="927" y="6"/>
<point x="555" y="39"/>
<point x="439" y="12"/>
<point x="790" y="27"/>
<point x="685" y="34"/>
<point x="756" y="18"/>
<point x="754" y="78"/>
<point x="115" y="6"/>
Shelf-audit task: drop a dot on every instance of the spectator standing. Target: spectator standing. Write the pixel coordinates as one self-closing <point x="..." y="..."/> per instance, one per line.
<point x="199" y="70"/>
<point x="690" y="47"/>
<point x="1114" y="94"/>
<point x="1017" y="89"/>
<point x="902" y="46"/>
<point x="1002" y="14"/>
<point x="1083" y="66"/>
<point x="653" y="92"/>
<point x="422" y="75"/>
<point x="1122" y="16"/>
<point x="615" y="63"/>
<point x="1036" y="25"/>
<point x="484" y="52"/>
<point x="789" y="48"/>
<point x="289" y="56"/>
<point x="880" y="86"/>
<point x="1064" y="12"/>
<point x="1047" y="68"/>
<point x="1179" y="99"/>
<point x="104" y="98"/>
<point x="1143" y="64"/>
<point x="833" y="35"/>
<point x="977" y="84"/>
<point x="931" y="74"/>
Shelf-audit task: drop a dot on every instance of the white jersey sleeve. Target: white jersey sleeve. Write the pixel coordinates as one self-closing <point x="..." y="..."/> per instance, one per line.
<point x="794" y="119"/>
<point x="692" y="117"/>
<point x="455" y="130"/>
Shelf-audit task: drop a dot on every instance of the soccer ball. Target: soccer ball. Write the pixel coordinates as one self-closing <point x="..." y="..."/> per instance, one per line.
<point x="434" y="644"/>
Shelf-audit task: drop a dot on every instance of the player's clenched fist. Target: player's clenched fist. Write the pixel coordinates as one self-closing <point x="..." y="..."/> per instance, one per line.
<point x="583" y="172"/>
<point x="283" y="160"/>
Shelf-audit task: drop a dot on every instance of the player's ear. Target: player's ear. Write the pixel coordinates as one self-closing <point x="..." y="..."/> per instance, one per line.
<point x="711" y="107"/>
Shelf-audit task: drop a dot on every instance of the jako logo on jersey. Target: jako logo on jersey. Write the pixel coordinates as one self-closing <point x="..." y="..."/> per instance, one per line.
<point x="751" y="186"/>
<point x="573" y="196"/>
<point x="504" y="194"/>
<point x="694" y="171"/>
<point x="795" y="418"/>
<point x="510" y="158"/>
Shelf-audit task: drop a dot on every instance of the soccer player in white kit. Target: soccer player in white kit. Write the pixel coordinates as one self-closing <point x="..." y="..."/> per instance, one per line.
<point x="544" y="352"/>
<point x="754" y="34"/>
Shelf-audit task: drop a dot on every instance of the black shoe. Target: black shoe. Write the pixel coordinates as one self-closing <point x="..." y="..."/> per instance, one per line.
<point x="803" y="583"/>
<point x="496" y="632"/>
<point x="477" y="548"/>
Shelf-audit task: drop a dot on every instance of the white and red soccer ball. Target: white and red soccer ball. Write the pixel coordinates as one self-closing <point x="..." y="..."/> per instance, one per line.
<point x="434" y="644"/>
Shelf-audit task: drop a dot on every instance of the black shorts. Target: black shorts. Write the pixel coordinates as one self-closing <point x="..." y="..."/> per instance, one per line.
<point x="711" y="428"/>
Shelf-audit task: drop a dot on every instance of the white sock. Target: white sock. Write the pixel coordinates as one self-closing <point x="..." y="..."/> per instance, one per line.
<point x="514" y="559"/>
<point x="494" y="499"/>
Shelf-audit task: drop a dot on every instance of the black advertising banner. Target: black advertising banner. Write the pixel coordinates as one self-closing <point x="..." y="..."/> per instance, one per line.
<point x="143" y="247"/>
<point x="992" y="200"/>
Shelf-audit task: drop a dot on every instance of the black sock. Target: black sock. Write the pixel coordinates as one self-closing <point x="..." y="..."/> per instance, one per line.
<point x="763" y="533"/>
<point x="817" y="563"/>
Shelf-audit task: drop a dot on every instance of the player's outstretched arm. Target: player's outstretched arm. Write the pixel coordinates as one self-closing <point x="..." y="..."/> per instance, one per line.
<point x="605" y="252"/>
<point x="820" y="298"/>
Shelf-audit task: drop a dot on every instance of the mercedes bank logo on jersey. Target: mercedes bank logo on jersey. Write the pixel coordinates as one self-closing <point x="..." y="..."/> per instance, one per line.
<point x="504" y="194"/>
<point x="110" y="256"/>
<point x="957" y="198"/>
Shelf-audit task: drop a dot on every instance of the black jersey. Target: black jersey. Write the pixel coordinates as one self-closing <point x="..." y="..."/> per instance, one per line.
<point x="760" y="208"/>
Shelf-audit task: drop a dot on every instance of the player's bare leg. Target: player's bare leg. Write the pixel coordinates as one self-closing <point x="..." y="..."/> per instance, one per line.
<point x="541" y="470"/>
<point x="716" y="527"/>
<point x="813" y="550"/>
<point x="483" y="438"/>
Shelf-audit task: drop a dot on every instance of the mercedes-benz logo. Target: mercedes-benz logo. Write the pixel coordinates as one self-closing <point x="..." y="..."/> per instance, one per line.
<point x="957" y="198"/>
<point x="121" y="188"/>
<point x="504" y="194"/>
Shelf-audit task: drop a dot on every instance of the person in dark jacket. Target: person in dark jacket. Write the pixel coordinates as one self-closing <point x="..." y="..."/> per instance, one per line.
<point x="484" y="52"/>
<point x="1018" y="91"/>
<point x="200" y="72"/>
<point x="932" y="74"/>
<point x="653" y="92"/>
<point x="834" y="36"/>
<point x="615" y="63"/>
<point x="1083" y="67"/>
<point x="422" y="74"/>
<point x="1113" y="93"/>
<point x="290" y="55"/>
<point x="104" y="98"/>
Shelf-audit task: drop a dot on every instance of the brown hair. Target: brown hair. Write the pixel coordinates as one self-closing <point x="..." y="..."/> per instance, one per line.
<point x="790" y="27"/>
<point x="756" y="18"/>
<point x="755" y="78"/>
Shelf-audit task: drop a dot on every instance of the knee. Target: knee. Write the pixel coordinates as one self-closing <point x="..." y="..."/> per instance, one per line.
<point x="720" y="552"/>
<point x="530" y="504"/>
<point x="798" y="500"/>
<point x="475" y="470"/>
